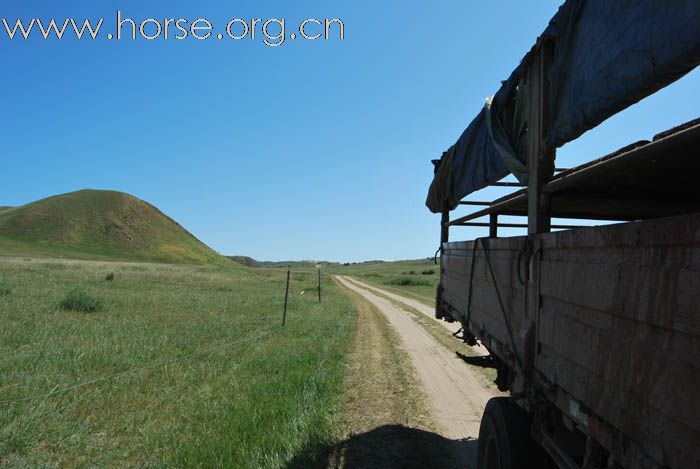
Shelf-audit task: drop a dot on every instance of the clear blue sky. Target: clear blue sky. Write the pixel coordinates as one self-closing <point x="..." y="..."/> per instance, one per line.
<point x="314" y="150"/>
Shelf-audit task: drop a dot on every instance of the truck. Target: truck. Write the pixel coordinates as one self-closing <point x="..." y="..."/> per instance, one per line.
<point x="592" y="324"/>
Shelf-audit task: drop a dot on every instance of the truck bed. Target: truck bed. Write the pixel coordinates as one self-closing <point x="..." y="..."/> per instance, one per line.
<point x="614" y="337"/>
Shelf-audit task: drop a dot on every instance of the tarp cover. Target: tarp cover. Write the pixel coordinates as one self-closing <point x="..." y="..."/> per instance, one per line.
<point x="607" y="56"/>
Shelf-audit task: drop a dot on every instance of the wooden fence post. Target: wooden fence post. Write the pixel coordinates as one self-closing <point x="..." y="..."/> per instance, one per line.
<point x="319" y="285"/>
<point x="286" y="295"/>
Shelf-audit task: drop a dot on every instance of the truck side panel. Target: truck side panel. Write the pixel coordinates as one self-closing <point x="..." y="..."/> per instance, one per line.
<point x="617" y="329"/>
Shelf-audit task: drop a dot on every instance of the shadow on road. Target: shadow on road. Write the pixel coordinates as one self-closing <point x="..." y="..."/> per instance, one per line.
<point x="485" y="361"/>
<point x="391" y="446"/>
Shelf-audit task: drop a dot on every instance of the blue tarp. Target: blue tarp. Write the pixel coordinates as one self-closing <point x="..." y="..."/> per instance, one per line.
<point x="608" y="54"/>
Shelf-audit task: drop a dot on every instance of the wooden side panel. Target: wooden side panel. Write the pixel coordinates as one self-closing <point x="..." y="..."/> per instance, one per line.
<point x="487" y="320"/>
<point x="618" y="326"/>
<point x="620" y="329"/>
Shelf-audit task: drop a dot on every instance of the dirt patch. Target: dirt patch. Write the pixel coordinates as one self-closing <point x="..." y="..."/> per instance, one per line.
<point x="386" y="416"/>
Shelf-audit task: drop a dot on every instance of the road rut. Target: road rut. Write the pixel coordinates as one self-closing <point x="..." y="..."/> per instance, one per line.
<point x="456" y="395"/>
<point x="424" y="309"/>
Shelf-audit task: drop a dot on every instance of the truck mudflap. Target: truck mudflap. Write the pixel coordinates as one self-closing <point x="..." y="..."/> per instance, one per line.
<point x="438" y="302"/>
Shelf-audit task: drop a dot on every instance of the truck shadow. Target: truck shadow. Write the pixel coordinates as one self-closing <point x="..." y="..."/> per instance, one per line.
<point x="391" y="446"/>
<point x="485" y="361"/>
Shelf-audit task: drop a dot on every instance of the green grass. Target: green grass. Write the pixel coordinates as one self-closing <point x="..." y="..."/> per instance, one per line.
<point x="181" y="366"/>
<point x="407" y="282"/>
<point x="78" y="300"/>
<point x="416" y="279"/>
<point x="101" y="225"/>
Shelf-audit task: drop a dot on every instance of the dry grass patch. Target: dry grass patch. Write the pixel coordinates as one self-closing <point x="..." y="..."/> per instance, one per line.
<point x="380" y="384"/>
<point x="385" y="411"/>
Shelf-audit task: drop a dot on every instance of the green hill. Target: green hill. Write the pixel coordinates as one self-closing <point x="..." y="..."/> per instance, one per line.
<point x="245" y="260"/>
<point x="95" y="224"/>
<point x="295" y="264"/>
<point x="250" y="262"/>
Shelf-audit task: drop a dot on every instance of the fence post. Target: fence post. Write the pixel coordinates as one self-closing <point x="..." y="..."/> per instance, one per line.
<point x="319" y="285"/>
<point x="286" y="295"/>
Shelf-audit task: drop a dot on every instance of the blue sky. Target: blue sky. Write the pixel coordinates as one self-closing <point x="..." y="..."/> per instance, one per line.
<point x="313" y="150"/>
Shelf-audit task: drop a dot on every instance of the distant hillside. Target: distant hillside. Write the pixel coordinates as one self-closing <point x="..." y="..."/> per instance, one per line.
<point x="250" y="262"/>
<point x="95" y="224"/>
<point x="295" y="264"/>
<point x="245" y="260"/>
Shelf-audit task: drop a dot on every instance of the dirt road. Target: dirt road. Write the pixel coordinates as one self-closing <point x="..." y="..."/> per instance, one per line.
<point x="455" y="394"/>
<point x="422" y="308"/>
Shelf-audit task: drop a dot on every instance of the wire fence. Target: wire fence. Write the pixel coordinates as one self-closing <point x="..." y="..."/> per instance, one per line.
<point x="55" y="391"/>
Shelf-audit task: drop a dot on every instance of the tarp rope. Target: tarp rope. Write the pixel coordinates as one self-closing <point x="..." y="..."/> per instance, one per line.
<point x="500" y="303"/>
<point x="471" y="283"/>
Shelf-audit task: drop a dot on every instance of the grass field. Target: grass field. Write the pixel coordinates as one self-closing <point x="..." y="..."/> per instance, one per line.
<point x="415" y="278"/>
<point x="162" y="365"/>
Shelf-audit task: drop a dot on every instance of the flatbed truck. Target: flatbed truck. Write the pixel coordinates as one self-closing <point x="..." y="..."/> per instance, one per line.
<point x="594" y="330"/>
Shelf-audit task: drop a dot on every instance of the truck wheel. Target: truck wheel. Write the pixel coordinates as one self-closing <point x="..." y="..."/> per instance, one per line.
<point x="504" y="437"/>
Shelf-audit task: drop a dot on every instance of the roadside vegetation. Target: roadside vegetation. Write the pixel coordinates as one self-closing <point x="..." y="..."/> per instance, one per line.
<point x="166" y="365"/>
<point x="407" y="282"/>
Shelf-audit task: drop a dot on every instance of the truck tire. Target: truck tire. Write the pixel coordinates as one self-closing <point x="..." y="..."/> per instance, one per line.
<point x="504" y="437"/>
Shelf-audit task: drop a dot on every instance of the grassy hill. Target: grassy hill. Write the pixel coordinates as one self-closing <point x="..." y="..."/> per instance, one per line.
<point x="95" y="224"/>
<point x="250" y="262"/>
<point x="245" y="260"/>
<point x="295" y="264"/>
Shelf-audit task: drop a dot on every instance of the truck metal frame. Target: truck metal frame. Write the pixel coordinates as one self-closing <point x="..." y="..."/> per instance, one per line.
<point x="594" y="330"/>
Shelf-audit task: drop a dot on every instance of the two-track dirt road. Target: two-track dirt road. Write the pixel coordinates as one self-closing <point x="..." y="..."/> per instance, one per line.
<point x="456" y="396"/>
<point x="428" y="311"/>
